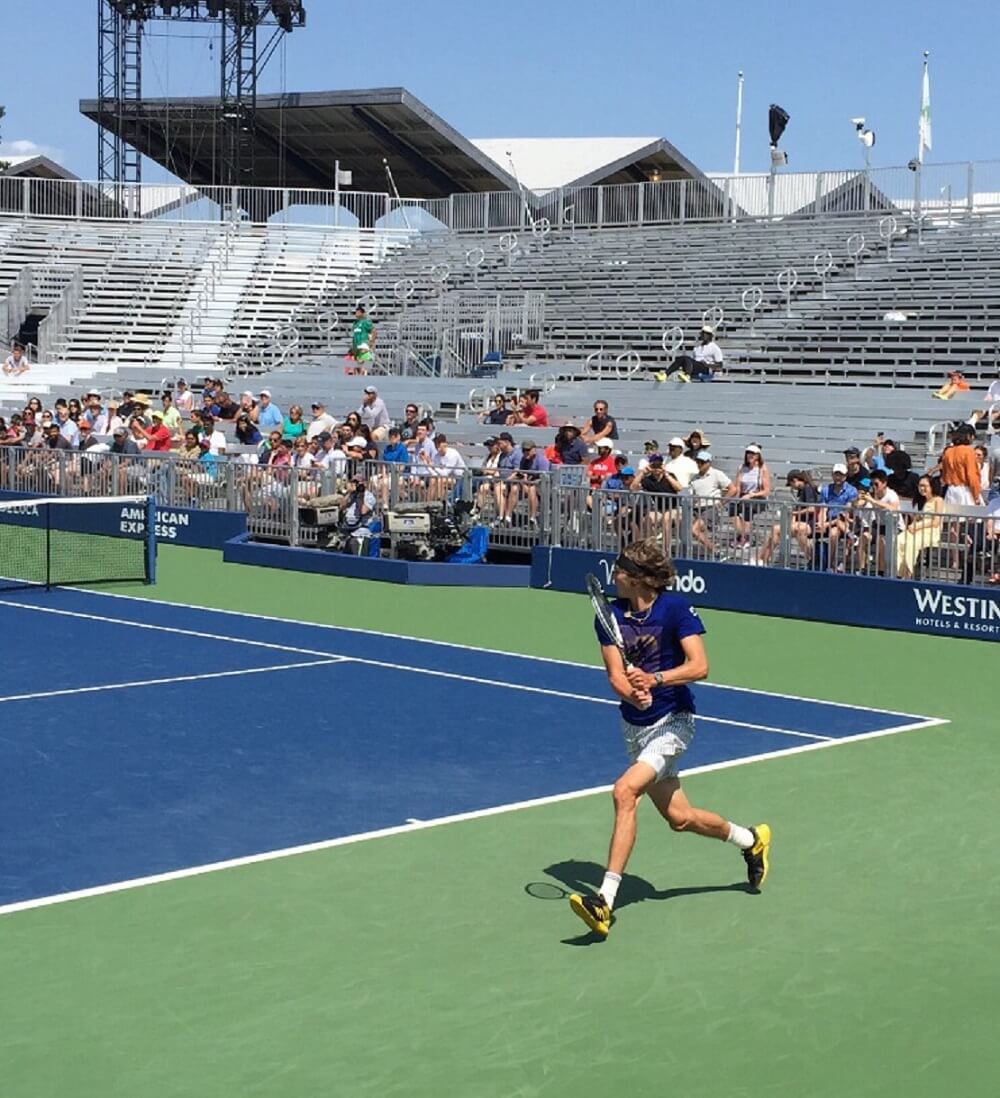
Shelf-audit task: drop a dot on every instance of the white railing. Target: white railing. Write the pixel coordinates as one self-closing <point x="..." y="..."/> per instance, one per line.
<point x="946" y="191"/>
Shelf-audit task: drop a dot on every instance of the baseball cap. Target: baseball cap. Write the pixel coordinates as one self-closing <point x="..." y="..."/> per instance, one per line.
<point x="628" y="471"/>
<point x="205" y="441"/>
<point x="655" y="459"/>
<point x="247" y="393"/>
<point x="181" y="381"/>
<point x="371" y="389"/>
<point x="527" y="444"/>
<point x="852" y="451"/>
<point x="264" y="393"/>
<point x="491" y="442"/>
<point x="318" y="404"/>
<point x="324" y="436"/>
<point x="651" y="444"/>
<point x="703" y="455"/>
<point x="157" y="415"/>
<point x="753" y="448"/>
<point x="675" y="441"/>
<point x="359" y="442"/>
<point x="708" y="328"/>
<point x="120" y="431"/>
<point x="505" y="436"/>
<point x="604" y="444"/>
<point x="840" y="467"/>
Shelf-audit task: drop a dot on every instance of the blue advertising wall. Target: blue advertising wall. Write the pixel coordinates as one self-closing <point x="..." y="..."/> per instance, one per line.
<point x="940" y="609"/>
<point x="174" y="525"/>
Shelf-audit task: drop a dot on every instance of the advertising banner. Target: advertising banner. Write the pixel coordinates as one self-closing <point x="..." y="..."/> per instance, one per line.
<point x="940" y="609"/>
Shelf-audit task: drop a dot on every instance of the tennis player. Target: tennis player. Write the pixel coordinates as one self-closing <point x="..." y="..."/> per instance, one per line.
<point x="663" y="639"/>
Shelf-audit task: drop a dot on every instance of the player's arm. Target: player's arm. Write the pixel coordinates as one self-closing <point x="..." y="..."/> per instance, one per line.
<point x="693" y="669"/>
<point x="615" y="666"/>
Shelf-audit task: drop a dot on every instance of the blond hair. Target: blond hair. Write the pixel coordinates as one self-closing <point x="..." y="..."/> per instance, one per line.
<point x="657" y="567"/>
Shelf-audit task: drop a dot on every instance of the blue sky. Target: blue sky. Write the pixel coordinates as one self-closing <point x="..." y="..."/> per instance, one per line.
<point x="528" y="69"/>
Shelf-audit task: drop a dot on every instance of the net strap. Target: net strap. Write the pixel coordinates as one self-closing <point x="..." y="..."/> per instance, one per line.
<point x="72" y="501"/>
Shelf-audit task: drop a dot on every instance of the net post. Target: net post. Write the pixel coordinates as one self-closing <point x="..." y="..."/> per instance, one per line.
<point x="48" y="546"/>
<point x="151" y="539"/>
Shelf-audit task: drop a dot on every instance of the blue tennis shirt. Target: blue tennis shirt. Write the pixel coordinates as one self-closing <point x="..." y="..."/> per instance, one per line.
<point x="653" y="642"/>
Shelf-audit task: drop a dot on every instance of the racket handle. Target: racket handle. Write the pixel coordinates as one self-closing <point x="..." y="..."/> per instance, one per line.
<point x="628" y="667"/>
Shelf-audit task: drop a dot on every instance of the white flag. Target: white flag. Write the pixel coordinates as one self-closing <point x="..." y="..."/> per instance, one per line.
<point x="925" y="116"/>
<point x="346" y="178"/>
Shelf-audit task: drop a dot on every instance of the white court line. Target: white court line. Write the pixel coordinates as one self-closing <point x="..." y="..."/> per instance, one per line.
<point x="165" y="682"/>
<point x="422" y="825"/>
<point x="388" y="664"/>
<point x="463" y="647"/>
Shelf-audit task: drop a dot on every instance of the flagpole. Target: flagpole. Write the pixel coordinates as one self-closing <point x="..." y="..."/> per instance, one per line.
<point x="925" y="106"/>
<point x="739" y="121"/>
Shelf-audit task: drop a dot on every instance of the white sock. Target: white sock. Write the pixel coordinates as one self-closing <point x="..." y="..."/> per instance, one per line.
<point x="740" y="836"/>
<point x="609" y="889"/>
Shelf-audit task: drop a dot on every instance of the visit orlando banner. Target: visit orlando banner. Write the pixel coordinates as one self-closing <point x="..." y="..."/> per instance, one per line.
<point x="940" y="609"/>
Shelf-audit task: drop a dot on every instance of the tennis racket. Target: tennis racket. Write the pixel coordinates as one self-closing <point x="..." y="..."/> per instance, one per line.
<point x="602" y="608"/>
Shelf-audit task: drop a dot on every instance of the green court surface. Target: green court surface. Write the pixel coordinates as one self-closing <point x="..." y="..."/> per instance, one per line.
<point x="446" y="962"/>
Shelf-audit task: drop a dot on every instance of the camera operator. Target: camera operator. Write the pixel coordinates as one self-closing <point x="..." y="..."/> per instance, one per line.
<point x="358" y="511"/>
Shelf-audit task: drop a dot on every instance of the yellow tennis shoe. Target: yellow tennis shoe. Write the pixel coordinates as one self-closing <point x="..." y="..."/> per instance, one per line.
<point x="594" y="912"/>
<point x="757" y="856"/>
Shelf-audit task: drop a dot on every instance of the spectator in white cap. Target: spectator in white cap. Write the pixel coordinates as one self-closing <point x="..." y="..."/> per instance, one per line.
<point x="267" y="415"/>
<point x="247" y="403"/>
<point x="834" y="515"/>
<point x="708" y="489"/>
<point x="374" y="414"/>
<point x="707" y="355"/>
<point x="602" y="466"/>
<point x="753" y="483"/>
<point x="682" y="468"/>
<point x="321" y="420"/>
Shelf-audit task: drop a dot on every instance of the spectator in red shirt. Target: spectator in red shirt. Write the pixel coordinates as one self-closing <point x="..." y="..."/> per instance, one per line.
<point x="529" y="412"/>
<point x="158" y="437"/>
<point x="603" y="466"/>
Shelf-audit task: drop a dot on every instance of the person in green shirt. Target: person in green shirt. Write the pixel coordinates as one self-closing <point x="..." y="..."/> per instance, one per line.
<point x="362" y="337"/>
<point x="171" y="417"/>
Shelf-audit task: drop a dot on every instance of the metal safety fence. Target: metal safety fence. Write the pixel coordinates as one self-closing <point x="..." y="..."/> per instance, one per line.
<point x="525" y="508"/>
<point x="927" y="190"/>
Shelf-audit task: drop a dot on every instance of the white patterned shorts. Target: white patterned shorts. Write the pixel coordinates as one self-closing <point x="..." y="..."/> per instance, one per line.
<point x="660" y="745"/>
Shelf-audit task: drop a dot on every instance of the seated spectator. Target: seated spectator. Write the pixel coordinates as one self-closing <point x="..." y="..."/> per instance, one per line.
<point x="67" y="426"/>
<point x="649" y="447"/>
<point x="988" y="416"/>
<point x="351" y="425"/>
<point x="268" y="446"/>
<point x="499" y="414"/>
<point x="159" y="437"/>
<point x="753" y="482"/>
<point x="267" y="415"/>
<point x="834" y="519"/>
<point x="695" y="443"/>
<point x="902" y="480"/>
<point x="321" y="420"/>
<point x="247" y="433"/>
<point x="922" y="532"/>
<point x="802" y="526"/>
<point x="872" y="505"/>
<point x="137" y="428"/>
<point x="294" y="425"/>
<point x="448" y="464"/>
<point x="202" y="473"/>
<point x="983" y="461"/>
<point x="16" y="362"/>
<point x="682" y="468"/>
<point x="570" y="447"/>
<point x="302" y="456"/>
<point x="183" y="398"/>
<point x="373" y="413"/>
<point x="858" y="476"/>
<point x="529" y="412"/>
<point x="370" y="449"/>
<point x="217" y="440"/>
<point x="956" y="383"/>
<point x="621" y="479"/>
<point x="602" y="466"/>
<point x="525" y="477"/>
<point x="122" y="442"/>
<point x="656" y="515"/>
<point x="601" y="425"/>
<point x="330" y="454"/>
<point x="171" y="416"/>
<point x="701" y="364"/>
<point x="411" y="418"/>
<point x="395" y="451"/>
<point x="190" y="449"/>
<point x="209" y="404"/>
<point x="708" y="487"/>
<point x="874" y="456"/>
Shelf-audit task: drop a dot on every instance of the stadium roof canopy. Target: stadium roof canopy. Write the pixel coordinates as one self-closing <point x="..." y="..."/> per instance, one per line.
<point x="300" y="136"/>
<point x="36" y="167"/>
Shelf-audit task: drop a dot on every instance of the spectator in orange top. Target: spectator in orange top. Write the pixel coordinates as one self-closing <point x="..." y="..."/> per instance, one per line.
<point x="956" y="383"/>
<point x="960" y="474"/>
<point x="529" y="412"/>
<point x="159" y="437"/>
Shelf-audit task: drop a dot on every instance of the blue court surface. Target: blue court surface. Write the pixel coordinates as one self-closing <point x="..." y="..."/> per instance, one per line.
<point x="140" y="739"/>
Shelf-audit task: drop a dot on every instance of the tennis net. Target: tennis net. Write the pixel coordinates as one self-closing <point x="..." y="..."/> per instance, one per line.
<point x="45" y="542"/>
